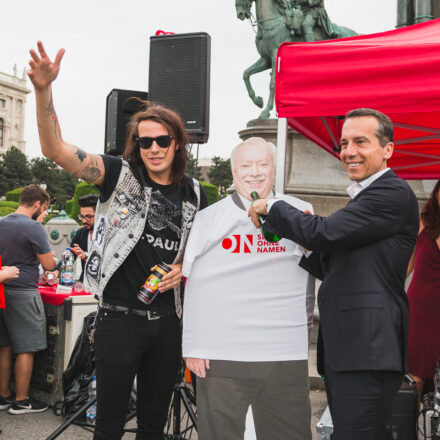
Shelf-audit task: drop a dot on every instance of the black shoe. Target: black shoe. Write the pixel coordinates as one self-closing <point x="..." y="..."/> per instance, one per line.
<point x="5" y="402"/>
<point x="28" y="405"/>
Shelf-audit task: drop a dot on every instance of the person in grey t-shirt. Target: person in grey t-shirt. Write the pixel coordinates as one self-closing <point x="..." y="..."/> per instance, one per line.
<point x="24" y="244"/>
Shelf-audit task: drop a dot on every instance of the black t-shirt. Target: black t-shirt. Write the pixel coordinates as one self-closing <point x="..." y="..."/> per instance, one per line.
<point x="159" y="242"/>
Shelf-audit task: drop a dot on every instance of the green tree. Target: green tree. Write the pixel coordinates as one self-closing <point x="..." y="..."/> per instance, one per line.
<point x="14" y="195"/>
<point x="220" y="173"/>
<point x="65" y="188"/>
<point x="60" y="184"/>
<point x="193" y="169"/>
<point x="14" y="170"/>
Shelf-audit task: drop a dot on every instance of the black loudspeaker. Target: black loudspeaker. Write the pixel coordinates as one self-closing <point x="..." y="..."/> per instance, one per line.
<point x="179" y="78"/>
<point x="403" y="423"/>
<point x="121" y="105"/>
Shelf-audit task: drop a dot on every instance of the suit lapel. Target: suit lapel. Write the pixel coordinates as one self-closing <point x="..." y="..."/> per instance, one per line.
<point x="390" y="174"/>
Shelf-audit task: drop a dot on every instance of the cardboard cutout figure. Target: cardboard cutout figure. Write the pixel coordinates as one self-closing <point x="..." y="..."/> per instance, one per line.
<point x="253" y="167"/>
<point x="247" y="307"/>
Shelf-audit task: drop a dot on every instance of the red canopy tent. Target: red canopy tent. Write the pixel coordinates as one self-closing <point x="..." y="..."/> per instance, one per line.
<point x="396" y="72"/>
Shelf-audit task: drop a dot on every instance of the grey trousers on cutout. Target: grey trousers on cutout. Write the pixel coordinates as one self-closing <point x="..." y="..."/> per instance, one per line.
<point x="278" y="393"/>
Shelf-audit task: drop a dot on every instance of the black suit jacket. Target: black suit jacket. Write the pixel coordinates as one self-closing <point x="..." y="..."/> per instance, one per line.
<point x="361" y="252"/>
<point x="80" y="238"/>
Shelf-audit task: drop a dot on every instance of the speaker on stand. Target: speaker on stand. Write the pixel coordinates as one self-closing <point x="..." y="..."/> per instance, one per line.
<point x="121" y="105"/>
<point x="179" y="78"/>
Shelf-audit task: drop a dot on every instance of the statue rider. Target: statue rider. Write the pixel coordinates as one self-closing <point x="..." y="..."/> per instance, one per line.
<point x="290" y="15"/>
<point x="314" y="15"/>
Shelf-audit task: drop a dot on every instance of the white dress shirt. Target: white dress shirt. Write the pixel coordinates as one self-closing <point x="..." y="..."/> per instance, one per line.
<point x="355" y="188"/>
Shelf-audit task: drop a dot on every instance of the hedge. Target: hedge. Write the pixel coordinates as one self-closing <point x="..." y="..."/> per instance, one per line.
<point x="6" y="210"/>
<point x="14" y="195"/>
<point x="211" y="192"/>
<point x="8" y="204"/>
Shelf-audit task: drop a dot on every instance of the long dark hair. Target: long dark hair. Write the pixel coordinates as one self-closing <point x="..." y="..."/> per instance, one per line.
<point x="175" y="127"/>
<point x="431" y="213"/>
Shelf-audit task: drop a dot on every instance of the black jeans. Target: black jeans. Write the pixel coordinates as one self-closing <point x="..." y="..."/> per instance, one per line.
<point x="125" y="346"/>
<point x="361" y="402"/>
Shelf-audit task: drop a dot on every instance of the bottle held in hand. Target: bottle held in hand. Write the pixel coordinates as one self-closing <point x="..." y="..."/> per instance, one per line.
<point x="268" y="236"/>
<point x="150" y="288"/>
<point x="66" y="273"/>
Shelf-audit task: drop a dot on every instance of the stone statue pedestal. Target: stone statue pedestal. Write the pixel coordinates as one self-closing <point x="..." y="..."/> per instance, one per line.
<point x="311" y="173"/>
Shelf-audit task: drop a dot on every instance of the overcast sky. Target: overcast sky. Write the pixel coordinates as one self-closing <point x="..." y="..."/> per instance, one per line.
<point x="107" y="46"/>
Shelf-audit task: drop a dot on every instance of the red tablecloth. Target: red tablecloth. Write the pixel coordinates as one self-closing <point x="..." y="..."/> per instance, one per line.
<point x="49" y="295"/>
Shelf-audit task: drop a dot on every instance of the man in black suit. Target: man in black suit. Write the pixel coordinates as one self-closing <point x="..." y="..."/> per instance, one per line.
<point x="361" y="253"/>
<point x="83" y="237"/>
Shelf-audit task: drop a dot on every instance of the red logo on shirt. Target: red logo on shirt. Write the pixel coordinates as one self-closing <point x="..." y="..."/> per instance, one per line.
<point x="239" y="243"/>
<point x="244" y="244"/>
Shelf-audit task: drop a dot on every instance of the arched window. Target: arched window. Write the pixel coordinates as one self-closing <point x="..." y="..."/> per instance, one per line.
<point x="2" y="124"/>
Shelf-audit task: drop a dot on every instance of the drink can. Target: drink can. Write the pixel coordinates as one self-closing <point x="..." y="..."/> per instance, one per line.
<point x="150" y="288"/>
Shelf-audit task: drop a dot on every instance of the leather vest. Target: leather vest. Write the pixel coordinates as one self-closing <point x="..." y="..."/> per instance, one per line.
<point x="119" y="224"/>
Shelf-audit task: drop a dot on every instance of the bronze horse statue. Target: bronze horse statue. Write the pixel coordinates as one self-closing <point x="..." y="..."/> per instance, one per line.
<point x="277" y="21"/>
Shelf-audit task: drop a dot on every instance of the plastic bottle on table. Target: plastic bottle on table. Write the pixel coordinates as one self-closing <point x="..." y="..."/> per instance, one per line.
<point x="40" y="274"/>
<point x="66" y="273"/>
<point x="91" y="410"/>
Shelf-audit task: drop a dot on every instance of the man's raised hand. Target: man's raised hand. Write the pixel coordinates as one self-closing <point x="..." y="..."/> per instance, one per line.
<point x="42" y="70"/>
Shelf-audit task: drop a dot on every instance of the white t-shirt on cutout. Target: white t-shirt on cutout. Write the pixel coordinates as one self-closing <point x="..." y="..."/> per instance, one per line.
<point x="245" y="299"/>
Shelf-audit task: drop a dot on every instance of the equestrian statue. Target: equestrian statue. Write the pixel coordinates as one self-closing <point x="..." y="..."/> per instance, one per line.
<point x="278" y="21"/>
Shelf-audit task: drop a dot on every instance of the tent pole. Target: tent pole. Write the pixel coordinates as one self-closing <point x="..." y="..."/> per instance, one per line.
<point x="281" y="154"/>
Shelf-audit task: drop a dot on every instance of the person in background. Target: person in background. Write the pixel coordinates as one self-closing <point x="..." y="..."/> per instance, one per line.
<point x="24" y="244"/>
<point x="80" y="244"/>
<point x="424" y="294"/>
<point x="82" y="240"/>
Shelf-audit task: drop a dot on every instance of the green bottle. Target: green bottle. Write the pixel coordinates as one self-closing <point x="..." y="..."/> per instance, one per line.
<point x="268" y="236"/>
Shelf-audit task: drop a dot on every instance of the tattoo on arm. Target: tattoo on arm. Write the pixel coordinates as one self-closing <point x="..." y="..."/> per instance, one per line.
<point x="81" y="154"/>
<point x="50" y="110"/>
<point x="90" y="173"/>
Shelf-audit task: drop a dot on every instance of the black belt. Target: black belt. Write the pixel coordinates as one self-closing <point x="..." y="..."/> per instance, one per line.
<point x="149" y="314"/>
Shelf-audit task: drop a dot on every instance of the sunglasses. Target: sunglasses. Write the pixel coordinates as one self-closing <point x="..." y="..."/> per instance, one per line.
<point x="146" y="142"/>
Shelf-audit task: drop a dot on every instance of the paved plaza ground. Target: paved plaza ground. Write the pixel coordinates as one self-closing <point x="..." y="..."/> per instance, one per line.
<point x="39" y="426"/>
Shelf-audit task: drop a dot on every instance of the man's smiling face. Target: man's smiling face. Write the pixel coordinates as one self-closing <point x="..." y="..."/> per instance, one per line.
<point x="361" y="152"/>
<point x="254" y="170"/>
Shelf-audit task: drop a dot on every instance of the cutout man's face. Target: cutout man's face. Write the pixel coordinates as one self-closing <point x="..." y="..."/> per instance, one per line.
<point x="254" y="170"/>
